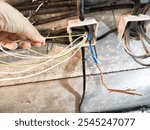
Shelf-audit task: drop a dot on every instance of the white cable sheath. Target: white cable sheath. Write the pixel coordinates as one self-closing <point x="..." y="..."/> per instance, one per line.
<point x="21" y="56"/>
<point x="29" y="76"/>
<point x="23" y="71"/>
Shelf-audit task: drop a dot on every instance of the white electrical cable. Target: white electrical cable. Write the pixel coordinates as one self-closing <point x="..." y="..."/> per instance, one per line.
<point x="32" y="64"/>
<point x="32" y="75"/>
<point x="23" y="71"/>
<point x="21" y="56"/>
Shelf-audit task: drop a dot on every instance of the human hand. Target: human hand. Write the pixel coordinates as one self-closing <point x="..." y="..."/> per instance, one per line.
<point x="14" y="26"/>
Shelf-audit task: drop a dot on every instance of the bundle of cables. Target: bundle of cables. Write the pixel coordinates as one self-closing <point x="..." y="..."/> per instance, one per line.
<point x="97" y="63"/>
<point x="41" y="12"/>
<point x="138" y="32"/>
<point x="58" y="9"/>
<point x="66" y="54"/>
<point x="63" y="9"/>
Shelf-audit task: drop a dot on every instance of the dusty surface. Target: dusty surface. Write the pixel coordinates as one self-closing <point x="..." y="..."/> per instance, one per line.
<point x="60" y="89"/>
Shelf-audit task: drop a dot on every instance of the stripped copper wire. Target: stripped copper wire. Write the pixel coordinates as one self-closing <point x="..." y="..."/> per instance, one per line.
<point x="127" y="91"/>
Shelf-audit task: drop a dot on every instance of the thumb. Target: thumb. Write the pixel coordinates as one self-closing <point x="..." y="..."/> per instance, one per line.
<point x="11" y="20"/>
<point x="30" y="32"/>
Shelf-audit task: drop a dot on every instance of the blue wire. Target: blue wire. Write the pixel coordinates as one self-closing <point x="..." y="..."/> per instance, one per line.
<point x="91" y="50"/>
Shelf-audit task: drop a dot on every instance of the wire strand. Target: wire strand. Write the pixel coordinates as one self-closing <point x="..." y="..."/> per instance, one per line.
<point x="32" y="75"/>
<point x="82" y="42"/>
<point x="37" y="57"/>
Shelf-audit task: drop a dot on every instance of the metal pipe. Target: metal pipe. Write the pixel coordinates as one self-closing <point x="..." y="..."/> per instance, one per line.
<point x="23" y="2"/>
<point x="81" y="9"/>
<point x="48" y="5"/>
<point x="48" y="11"/>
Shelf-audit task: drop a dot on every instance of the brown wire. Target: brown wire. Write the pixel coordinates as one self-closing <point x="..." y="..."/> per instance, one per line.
<point x="128" y="91"/>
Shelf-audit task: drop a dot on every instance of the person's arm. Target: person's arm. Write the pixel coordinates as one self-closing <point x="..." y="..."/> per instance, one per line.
<point x="14" y="26"/>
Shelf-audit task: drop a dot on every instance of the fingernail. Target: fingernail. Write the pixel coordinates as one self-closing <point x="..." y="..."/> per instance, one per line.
<point x="38" y="44"/>
<point x="25" y="45"/>
<point x="11" y="46"/>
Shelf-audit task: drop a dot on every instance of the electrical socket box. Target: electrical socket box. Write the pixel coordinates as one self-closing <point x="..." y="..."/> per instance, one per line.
<point x="91" y="23"/>
<point x="125" y="19"/>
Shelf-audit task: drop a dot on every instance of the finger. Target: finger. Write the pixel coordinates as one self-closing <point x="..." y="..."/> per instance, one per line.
<point x="36" y="44"/>
<point x="14" y="37"/>
<point x="10" y="45"/>
<point x="3" y="36"/>
<point x="25" y="45"/>
<point x="2" y="43"/>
